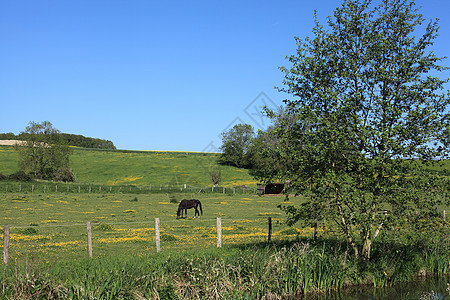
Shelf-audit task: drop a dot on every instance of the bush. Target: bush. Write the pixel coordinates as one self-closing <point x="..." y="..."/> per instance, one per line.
<point x="3" y="176"/>
<point x="64" y="174"/>
<point x="20" y="176"/>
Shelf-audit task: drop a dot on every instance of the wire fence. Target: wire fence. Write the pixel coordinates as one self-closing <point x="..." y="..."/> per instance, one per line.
<point x="75" y="241"/>
<point x="53" y="187"/>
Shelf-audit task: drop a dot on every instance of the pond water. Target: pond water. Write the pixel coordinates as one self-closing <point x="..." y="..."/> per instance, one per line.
<point x="427" y="289"/>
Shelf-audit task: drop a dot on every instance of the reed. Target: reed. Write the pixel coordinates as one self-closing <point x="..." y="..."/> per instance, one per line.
<point x="245" y="271"/>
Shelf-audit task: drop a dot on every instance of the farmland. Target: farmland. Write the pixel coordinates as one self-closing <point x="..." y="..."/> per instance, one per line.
<point x="141" y="168"/>
<point x="54" y="225"/>
<point x="48" y="238"/>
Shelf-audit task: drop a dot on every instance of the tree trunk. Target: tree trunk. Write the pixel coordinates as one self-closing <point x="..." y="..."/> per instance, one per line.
<point x="365" y="252"/>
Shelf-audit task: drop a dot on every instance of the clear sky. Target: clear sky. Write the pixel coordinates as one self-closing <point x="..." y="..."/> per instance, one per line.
<point x="154" y="75"/>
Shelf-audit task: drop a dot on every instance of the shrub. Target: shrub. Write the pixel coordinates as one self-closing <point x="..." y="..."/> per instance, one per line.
<point x="20" y="176"/>
<point x="64" y="174"/>
<point x="3" y="176"/>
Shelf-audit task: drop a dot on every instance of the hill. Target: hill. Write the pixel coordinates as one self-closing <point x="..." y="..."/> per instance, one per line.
<point x="141" y="168"/>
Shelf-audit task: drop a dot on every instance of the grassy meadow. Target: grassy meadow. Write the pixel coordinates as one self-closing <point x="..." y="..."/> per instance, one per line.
<point x="48" y="250"/>
<point x="48" y="239"/>
<point x="141" y="168"/>
<point x="53" y="226"/>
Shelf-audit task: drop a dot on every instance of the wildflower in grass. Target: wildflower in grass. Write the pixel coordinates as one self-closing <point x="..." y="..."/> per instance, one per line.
<point x="49" y="221"/>
<point x="63" y="244"/>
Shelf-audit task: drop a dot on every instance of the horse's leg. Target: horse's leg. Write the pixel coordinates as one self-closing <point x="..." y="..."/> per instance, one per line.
<point x="196" y="212"/>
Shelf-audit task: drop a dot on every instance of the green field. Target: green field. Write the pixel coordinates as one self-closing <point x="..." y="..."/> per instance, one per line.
<point x="122" y="192"/>
<point x="53" y="226"/>
<point x="141" y="168"/>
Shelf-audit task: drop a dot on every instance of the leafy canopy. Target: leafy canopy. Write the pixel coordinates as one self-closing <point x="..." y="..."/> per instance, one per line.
<point x="42" y="152"/>
<point x="370" y="116"/>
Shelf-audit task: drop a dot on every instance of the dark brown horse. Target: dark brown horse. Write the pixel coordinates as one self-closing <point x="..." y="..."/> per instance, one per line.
<point x="187" y="204"/>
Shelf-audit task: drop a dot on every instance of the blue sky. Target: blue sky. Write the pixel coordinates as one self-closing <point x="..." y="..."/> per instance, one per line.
<point x="154" y="75"/>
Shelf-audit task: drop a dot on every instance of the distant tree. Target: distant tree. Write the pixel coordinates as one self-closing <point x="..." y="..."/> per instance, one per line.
<point x="267" y="164"/>
<point x="236" y="146"/>
<point x="216" y="176"/>
<point x="370" y="118"/>
<point x="7" y="136"/>
<point x="42" y="152"/>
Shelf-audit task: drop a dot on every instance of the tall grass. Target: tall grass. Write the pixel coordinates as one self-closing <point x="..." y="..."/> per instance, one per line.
<point x="246" y="271"/>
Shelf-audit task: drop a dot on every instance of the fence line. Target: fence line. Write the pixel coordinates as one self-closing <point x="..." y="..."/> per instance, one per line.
<point x="6" y="235"/>
<point x="53" y="187"/>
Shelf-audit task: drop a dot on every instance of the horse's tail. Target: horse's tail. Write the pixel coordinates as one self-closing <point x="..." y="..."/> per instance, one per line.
<point x="200" y="205"/>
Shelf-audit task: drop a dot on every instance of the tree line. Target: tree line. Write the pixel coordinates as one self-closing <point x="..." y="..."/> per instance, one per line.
<point x="69" y="139"/>
<point x="365" y="119"/>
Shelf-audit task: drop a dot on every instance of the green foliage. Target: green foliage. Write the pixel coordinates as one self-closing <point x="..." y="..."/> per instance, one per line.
<point x="64" y="174"/>
<point x="236" y="146"/>
<point x="68" y="139"/>
<point x="8" y="136"/>
<point x="20" y="176"/>
<point x="369" y="119"/>
<point x="248" y="271"/>
<point x="42" y="152"/>
<point x="86" y="142"/>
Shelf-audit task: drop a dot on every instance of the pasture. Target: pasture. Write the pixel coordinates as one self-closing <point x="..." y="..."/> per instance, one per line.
<point x="49" y="227"/>
<point x="141" y="168"/>
<point x="48" y="250"/>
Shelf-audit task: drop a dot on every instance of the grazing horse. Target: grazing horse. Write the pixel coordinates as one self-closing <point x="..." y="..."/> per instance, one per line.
<point x="186" y="204"/>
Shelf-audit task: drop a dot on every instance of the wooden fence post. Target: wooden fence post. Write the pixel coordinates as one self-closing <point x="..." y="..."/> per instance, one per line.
<point x="20" y="188"/>
<point x="6" y="244"/>
<point x="32" y="188"/>
<point x="89" y="239"/>
<point x="158" y="239"/>
<point x="270" y="229"/>
<point x="219" y="232"/>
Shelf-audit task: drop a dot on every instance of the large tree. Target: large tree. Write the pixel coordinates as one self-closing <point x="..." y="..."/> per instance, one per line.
<point x="42" y="152"/>
<point x="236" y="146"/>
<point x="371" y="115"/>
